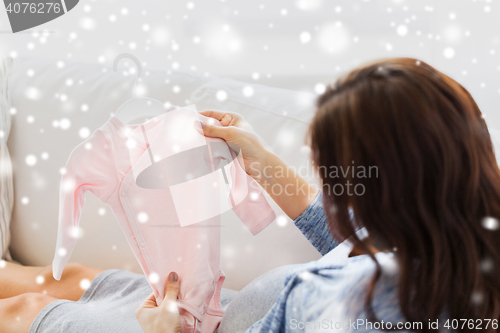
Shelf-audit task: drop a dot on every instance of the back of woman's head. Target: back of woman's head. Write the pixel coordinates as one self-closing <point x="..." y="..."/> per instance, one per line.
<point x="415" y="152"/>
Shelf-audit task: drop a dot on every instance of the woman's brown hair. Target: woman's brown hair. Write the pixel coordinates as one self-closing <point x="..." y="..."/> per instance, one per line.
<point x="435" y="201"/>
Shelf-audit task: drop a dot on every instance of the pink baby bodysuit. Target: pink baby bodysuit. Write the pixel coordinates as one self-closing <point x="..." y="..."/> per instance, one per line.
<point x="154" y="177"/>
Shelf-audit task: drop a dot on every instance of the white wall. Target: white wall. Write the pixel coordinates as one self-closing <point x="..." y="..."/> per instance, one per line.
<point x="240" y="50"/>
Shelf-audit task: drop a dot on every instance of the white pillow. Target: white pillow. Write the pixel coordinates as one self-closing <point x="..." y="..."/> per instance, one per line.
<point x="6" y="186"/>
<point x="281" y="117"/>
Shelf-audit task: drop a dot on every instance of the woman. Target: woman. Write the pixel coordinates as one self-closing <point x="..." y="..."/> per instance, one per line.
<point x="430" y="209"/>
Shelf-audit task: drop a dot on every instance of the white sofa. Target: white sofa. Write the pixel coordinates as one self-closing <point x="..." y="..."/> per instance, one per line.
<point x="54" y="104"/>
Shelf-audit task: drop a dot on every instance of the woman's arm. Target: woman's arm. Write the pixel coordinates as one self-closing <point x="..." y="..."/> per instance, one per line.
<point x="313" y="225"/>
<point x="300" y="200"/>
<point x="290" y="191"/>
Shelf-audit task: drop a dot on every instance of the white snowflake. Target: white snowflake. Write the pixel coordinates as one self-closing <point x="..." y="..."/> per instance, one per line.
<point x="40" y="279"/>
<point x="449" y="52"/>
<point x="334" y="38"/>
<point x="154" y="278"/>
<point x="282" y="221"/>
<point x="64" y="123"/>
<point x="402" y="30"/>
<point x="30" y="160"/>
<point x="319" y="88"/>
<point x="221" y="95"/>
<point x="85" y="284"/>
<point x="305" y="37"/>
<point x="248" y="91"/>
<point x="33" y="93"/>
<point x="490" y="223"/>
<point x="142" y="217"/>
<point x="84" y="132"/>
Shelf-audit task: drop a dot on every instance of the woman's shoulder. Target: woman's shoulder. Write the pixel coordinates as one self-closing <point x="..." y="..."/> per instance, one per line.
<point x="334" y="292"/>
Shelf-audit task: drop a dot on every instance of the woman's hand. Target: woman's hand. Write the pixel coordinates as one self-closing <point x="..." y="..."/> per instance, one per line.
<point x="290" y="191"/>
<point x="236" y="130"/>
<point x="164" y="318"/>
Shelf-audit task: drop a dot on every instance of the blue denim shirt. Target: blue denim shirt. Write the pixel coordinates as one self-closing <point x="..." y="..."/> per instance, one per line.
<point x="328" y="295"/>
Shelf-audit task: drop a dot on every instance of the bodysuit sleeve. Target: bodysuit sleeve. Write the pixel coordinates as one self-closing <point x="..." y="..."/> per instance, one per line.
<point x="251" y="208"/>
<point x="254" y="210"/>
<point x="90" y="167"/>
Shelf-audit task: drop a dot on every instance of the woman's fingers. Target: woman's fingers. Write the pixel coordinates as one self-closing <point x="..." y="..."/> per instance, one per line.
<point x="150" y="302"/>
<point x="171" y="291"/>
<point x="164" y="318"/>
<point x="225" y="118"/>
<point x="172" y="287"/>
<point x="214" y="114"/>
<point x="214" y="131"/>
